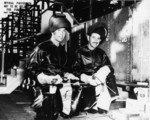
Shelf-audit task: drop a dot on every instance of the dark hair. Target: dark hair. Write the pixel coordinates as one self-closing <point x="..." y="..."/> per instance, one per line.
<point x="100" y="31"/>
<point x="99" y="28"/>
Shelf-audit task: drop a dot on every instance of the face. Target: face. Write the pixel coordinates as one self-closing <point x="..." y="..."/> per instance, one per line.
<point x="94" y="41"/>
<point x="59" y="34"/>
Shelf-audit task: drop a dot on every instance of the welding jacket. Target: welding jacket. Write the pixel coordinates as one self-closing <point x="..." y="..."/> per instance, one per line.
<point x="47" y="58"/>
<point x="89" y="62"/>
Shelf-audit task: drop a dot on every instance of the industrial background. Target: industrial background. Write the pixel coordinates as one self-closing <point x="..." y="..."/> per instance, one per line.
<point x="127" y="44"/>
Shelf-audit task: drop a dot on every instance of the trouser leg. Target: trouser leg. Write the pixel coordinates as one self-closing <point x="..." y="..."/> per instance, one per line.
<point x="52" y="106"/>
<point x="104" y="99"/>
<point x="88" y="97"/>
<point x="66" y="94"/>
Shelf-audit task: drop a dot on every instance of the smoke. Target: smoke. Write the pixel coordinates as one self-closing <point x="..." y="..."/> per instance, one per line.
<point x="115" y="48"/>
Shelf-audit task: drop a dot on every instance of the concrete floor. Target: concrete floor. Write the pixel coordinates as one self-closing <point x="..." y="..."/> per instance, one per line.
<point x="17" y="106"/>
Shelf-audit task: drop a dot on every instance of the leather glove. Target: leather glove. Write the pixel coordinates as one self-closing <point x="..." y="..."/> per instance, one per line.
<point x="56" y="79"/>
<point x="102" y="73"/>
<point x="49" y="79"/>
<point x="89" y="80"/>
<point x="70" y="76"/>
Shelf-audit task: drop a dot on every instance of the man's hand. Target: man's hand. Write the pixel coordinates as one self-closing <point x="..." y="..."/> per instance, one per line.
<point x="70" y="76"/>
<point x="56" y="79"/>
<point x="89" y="80"/>
<point x="38" y="101"/>
<point x="43" y="78"/>
<point x="49" y="79"/>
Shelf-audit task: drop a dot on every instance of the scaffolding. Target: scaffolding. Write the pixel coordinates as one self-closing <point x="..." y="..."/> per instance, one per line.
<point x="20" y="25"/>
<point x="20" y="31"/>
<point x="15" y="35"/>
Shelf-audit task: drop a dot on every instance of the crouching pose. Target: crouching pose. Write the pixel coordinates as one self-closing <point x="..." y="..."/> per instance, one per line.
<point x="47" y="66"/>
<point x="93" y="67"/>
